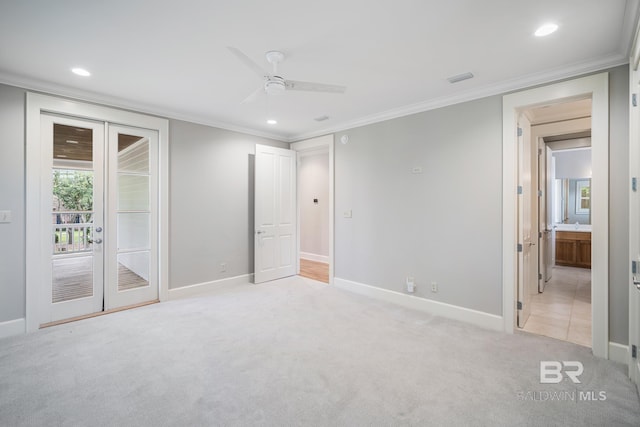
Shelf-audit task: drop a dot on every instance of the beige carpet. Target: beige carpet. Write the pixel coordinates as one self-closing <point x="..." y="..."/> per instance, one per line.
<point x="296" y="352"/>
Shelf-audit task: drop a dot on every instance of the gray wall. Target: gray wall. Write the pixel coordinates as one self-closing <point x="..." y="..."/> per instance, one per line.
<point x="573" y="164"/>
<point x="211" y="202"/>
<point x="12" y="255"/>
<point x="313" y="183"/>
<point x="444" y="224"/>
<point x="441" y="225"/>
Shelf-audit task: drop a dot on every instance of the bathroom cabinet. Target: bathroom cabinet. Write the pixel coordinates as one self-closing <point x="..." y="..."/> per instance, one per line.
<point x="573" y="248"/>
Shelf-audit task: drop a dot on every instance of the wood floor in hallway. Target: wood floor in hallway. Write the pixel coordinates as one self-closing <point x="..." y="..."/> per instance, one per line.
<point x="563" y="310"/>
<point x="314" y="270"/>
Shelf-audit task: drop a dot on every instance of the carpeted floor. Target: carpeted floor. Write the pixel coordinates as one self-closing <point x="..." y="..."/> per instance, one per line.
<point x="297" y="352"/>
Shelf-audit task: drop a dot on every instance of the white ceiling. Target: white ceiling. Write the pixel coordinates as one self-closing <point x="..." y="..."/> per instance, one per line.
<point x="170" y="57"/>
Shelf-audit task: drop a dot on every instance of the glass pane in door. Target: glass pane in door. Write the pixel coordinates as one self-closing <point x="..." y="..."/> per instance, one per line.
<point x="133" y="212"/>
<point x="72" y="213"/>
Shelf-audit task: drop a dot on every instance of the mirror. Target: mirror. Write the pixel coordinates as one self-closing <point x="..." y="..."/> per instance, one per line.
<point x="573" y="201"/>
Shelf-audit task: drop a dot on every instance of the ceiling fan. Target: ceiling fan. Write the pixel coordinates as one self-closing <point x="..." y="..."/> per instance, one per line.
<point x="275" y="84"/>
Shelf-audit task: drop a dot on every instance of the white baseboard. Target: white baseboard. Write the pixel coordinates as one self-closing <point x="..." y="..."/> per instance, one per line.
<point x="12" y="327"/>
<point x="200" y="288"/>
<point x="314" y="257"/>
<point x="619" y="353"/>
<point x="485" y="320"/>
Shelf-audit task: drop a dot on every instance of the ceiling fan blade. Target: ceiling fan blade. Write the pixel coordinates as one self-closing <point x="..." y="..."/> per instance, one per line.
<point x="313" y="87"/>
<point x="253" y="95"/>
<point x="247" y="61"/>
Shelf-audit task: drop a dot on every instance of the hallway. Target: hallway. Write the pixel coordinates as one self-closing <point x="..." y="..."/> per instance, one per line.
<point x="563" y="310"/>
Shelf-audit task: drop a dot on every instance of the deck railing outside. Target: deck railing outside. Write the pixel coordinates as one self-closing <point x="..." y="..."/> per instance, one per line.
<point x="72" y="232"/>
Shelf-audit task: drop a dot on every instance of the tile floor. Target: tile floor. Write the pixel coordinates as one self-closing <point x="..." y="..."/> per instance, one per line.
<point x="563" y="310"/>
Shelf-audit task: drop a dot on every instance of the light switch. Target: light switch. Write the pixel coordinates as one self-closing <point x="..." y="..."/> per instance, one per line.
<point x="347" y="214"/>
<point x="5" y="216"/>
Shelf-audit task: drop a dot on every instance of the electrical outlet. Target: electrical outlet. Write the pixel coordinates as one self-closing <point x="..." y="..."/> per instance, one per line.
<point x="411" y="286"/>
<point x="5" y="216"/>
<point x="434" y="287"/>
<point x="223" y="267"/>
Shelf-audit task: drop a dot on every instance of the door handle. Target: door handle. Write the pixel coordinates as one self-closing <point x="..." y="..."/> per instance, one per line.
<point x="259" y="232"/>
<point x="98" y="241"/>
<point x="531" y="244"/>
<point x="636" y="282"/>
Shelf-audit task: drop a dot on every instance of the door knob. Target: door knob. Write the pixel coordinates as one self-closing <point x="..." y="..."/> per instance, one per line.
<point x="98" y="229"/>
<point x="259" y="231"/>
<point x="636" y="282"/>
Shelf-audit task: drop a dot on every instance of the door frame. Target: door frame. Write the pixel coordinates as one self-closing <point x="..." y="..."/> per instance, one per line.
<point x="39" y="103"/>
<point x="634" y="210"/>
<point x="598" y="87"/>
<point x="322" y="144"/>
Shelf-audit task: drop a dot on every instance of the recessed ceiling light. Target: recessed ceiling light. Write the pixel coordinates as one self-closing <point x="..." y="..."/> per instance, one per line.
<point x="546" y="29"/>
<point x="81" y="72"/>
<point x="272" y="122"/>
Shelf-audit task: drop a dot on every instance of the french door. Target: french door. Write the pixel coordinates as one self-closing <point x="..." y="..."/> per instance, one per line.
<point x="99" y="242"/>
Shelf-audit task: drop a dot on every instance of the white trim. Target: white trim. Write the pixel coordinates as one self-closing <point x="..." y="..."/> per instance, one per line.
<point x="479" y="318"/>
<point x="314" y="257"/>
<point x="35" y="105"/>
<point x="598" y="87"/>
<point x="317" y="145"/>
<point x="619" y="353"/>
<point x="12" y="327"/>
<point x="201" y="288"/>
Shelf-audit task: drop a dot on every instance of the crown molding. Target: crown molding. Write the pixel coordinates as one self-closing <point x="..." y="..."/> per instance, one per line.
<point x="126" y="104"/>
<point x="500" y="88"/>
<point x="629" y="26"/>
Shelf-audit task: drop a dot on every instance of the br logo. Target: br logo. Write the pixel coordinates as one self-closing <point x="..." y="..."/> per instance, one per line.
<point x="551" y="371"/>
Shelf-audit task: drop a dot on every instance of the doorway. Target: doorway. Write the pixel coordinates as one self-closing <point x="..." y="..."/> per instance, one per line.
<point x="315" y="208"/>
<point x="560" y="304"/>
<point x="96" y="209"/>
<point x="595" y="87"/>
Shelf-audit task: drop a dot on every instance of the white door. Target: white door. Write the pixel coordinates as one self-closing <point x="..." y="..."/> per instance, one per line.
<point x="101" y="230"/>
<point x="132" y="238"/>
<point x="275" y="213"/>
<point x="72" y="250"/>
<point x="525" y="269"/>
<point x="549" y="227"/>
<point x="543" y="235"/>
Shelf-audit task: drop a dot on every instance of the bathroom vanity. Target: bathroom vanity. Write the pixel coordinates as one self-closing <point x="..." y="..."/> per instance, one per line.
<point x="573" y="247"/>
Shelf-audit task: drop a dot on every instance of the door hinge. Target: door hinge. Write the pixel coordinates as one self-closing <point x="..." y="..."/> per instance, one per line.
<point x="539" y="276"/>
<point x="539" y="193"/>
<point x="634" y="351"/>
<point x="519" y="131"/>
<point x="634" y="184"/>
<point x="539" y="151"/>
<point x="634" y="267"/>
<point x="634" y="99"/>
<point x="519" y="305"/>
<point x="519" y="247"/>
<point x="519" y="189"/>
<point x="539" y="234"/>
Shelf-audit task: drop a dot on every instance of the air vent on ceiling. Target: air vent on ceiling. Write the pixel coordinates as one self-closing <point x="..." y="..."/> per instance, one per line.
<point x="321" y="118"/>
<point x="460" y="77"/>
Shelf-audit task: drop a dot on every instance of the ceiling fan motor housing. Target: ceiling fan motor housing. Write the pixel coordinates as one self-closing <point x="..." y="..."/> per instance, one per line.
<point x="274" y="85"/>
